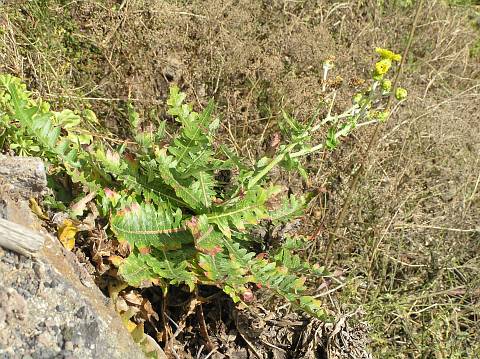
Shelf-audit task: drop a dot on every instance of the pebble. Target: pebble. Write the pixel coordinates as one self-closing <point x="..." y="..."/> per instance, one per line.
<point x="25" y="293"/>
<point x="9" y="259"/>
<point x="38" y="269"/>
<point x="81" y="313"/>
<point x="53" y="283"/>
<point x="16" y="303"/>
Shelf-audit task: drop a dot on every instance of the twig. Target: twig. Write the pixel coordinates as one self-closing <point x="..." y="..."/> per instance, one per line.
<point x="404" y="263"/>
<point x="332" y="290"/>
<point x="424" y="226"/>
<point x="200" y="351"/>
<point x="475" y="188"/>
<point x="189" y="14"/>
<point x="20" y="239"/>
<point x="213" y="351"/>
<point x="203" y="328"/>
<point x="106" y="99"/>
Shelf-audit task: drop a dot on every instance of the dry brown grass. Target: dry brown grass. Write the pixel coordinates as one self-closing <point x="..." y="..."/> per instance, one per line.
<point x="409" y="245"/>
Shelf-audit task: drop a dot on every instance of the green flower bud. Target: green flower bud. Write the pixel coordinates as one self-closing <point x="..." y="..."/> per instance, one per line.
<point x="328" y="65"/>
<point x="400" y="93"/>
<point x="382" y="116"/>
<point x="357" y="98"/>
<point x="386" y="85"/>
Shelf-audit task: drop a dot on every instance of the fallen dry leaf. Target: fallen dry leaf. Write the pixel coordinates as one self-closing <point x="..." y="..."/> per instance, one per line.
<point x="81" y="205"/>
<point x="121" y="305"/>
<point x="66" y="234"/>
<point x="116" y="260"/>
<point x="147" y="310"/>
<point x="36" y="209"/>
<point x="133" y="298"/>
<point x="124" y="248"/>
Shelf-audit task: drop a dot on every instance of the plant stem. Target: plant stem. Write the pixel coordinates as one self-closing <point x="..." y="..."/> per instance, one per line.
<point x="307" y="151"/>
<point x="269" y="167"/>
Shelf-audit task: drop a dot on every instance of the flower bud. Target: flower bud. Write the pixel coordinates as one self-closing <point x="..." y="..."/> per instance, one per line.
<point x="400" y="93"/>
<point x="112" y="196"/>
<point x="247" y="296"/>
<point x="357" y="98"/>
<point x="386" y="85"/>
<point x="382" y="116"/>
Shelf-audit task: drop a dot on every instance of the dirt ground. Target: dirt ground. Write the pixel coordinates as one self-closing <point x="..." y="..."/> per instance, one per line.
<point x="408" y="248"/>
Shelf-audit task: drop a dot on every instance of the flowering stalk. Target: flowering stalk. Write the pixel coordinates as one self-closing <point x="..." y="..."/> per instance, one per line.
<point x="398" y="58"/>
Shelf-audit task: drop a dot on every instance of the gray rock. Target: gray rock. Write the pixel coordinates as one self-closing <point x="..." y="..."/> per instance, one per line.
<point x="25" y="175"/>
<point x="46" y="311"/>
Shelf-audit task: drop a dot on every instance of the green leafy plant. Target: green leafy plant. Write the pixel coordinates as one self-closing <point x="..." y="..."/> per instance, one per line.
<point x="163" y="196"/>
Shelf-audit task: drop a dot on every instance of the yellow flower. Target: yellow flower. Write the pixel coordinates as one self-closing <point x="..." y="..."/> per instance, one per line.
<point x="382" y="66"/>
<point x="387" y="54"/>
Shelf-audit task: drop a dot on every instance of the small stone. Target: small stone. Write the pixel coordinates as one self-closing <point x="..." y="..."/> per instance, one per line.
<point x="81" y="313"/>
<point x="53" y="283"/>
<point x="25" y="293"/>
<point x="39" y="271"/>
<point x="3" y="215"/>
<point x="68" y="346"/>
<point x="9" y="258"/>
<point x="16" y="303"/>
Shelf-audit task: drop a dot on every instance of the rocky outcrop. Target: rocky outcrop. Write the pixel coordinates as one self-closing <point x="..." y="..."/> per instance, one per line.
<point x="49" y="305"/>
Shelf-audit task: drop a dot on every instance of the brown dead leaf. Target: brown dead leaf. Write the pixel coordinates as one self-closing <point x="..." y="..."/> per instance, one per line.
<point x="121" y="305"/>
<point x="66" y="234"/>
<point x="79" y="207"/>
<point x="124" y="248"/>
<point x="147" y="310"/>
<point x="88" y="224"/>
<point x="133" y="297"/>
<point x="36" y="209"/>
